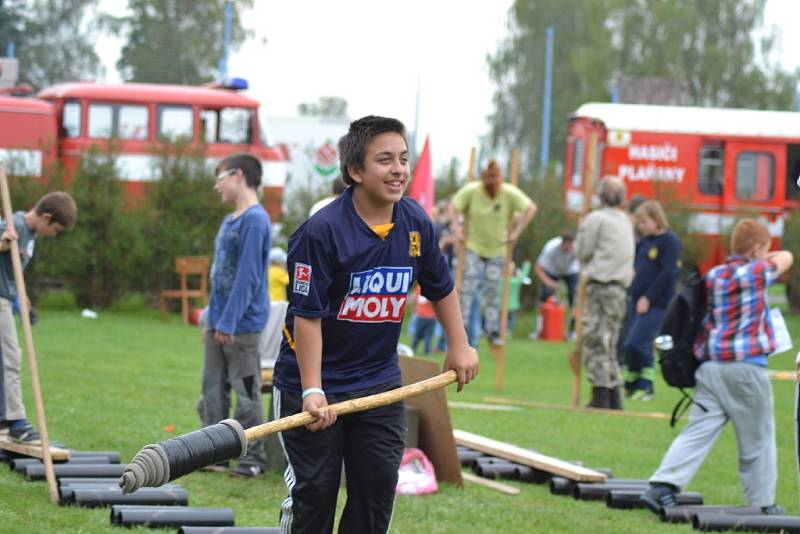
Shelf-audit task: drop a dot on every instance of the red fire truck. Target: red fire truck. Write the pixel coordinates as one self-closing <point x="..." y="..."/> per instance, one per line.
<point x="721" y="163"/>
<point x="65" y="120"/>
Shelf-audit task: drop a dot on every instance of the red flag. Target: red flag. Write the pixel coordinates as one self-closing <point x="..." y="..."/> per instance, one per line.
<point x="421" y="188"/>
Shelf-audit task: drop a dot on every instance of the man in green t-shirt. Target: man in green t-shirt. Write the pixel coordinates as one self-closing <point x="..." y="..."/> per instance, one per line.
<point x="488" y="206"/>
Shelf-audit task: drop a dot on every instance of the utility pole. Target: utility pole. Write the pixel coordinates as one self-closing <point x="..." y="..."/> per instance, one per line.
<point x="226" y="41"/>
<point x="544" y="154"/>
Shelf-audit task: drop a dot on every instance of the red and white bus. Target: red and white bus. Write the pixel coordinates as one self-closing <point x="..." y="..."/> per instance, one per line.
<point x="719" y="162"/>
<point x="143" y="120"/>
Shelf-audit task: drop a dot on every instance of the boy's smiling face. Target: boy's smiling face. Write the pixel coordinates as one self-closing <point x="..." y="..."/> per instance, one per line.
<point x="385" y="174"/>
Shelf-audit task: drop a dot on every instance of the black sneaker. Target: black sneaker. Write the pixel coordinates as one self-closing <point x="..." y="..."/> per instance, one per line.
<point x="25" y="435"/>
<point x="247" y="471"/>
<point x="659" y="496"/>
<point x="4" y="428"/>
<point x="773" y="509"/>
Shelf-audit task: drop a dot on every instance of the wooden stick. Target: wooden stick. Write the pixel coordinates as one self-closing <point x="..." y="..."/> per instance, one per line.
<point x="580" y="409"/>
<point x="354" y="405"/>
<point x="24" y="312"/>
<point x="462" y="247"/>
<point x="527" y="457"/>
<point x="493" y="484"/>
<point x="575" y="356"/>
<point x="499" y="353"/>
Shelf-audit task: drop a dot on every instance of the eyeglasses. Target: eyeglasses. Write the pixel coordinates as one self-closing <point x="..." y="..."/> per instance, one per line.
<point x="224" y="174"/>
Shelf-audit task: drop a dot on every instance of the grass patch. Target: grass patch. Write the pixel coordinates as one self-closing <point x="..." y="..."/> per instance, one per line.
<point x="117" y="382"/>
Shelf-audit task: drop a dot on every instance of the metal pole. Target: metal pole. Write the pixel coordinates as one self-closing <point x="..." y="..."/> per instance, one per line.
<point x="10" y="49"/>
<point x="416" y="128"/>
<point x="226" y="41"/>
<point x="544" y="154"/>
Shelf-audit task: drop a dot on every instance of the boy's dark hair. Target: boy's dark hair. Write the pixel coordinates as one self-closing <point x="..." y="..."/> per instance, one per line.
<point x="249" y="165"/>
<point x="61" y="208"/>
<point x="353" y="146"/>
<point x="567" y="235"/>
<point x="338" y="186"/>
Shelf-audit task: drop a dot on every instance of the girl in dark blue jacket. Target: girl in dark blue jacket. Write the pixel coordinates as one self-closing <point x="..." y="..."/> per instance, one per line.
<point x="656" y="265"/>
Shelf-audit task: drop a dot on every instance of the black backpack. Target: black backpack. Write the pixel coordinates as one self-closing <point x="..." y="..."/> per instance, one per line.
<point x="682" y="323"/>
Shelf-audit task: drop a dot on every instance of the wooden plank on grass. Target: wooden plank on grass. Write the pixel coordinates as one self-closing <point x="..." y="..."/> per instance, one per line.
<point x="33" y="451"/>
<point x="527" y="457"/>
<point x="435" y="430"/>
<point x="604" y="411"/>
<point x="499" y="486"/>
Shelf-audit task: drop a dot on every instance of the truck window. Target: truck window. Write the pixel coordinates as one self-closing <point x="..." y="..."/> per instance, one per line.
<point x="710" y="175"/>
<point x="71" y="119"/>
<point x="235" y="126"/>
<point x="227" y="125"/>
<point x="175" y="123"/>
<point x="755" y="176"/>
<point x="577" y="162"/>
<point x="101" y="121"/>
<point x="132" y="122"/>
<point x="208" y="122"/>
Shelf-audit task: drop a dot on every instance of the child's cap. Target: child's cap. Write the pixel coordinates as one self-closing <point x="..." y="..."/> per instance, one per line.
<point x="277" y="255"/>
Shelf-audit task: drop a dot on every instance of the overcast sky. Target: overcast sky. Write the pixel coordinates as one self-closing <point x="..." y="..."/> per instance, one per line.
<point x="373" y="52"/>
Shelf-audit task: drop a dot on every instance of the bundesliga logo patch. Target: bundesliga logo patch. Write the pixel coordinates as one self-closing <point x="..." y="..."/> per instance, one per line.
<point x="377" y="296"/>
<point x="302" y="278"/>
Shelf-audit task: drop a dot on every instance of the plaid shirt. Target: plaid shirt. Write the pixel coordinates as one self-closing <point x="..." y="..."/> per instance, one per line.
<point x="737" y="326"/>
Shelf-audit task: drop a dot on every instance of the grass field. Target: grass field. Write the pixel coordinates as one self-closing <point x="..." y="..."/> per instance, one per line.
<point x="117" y="382"/>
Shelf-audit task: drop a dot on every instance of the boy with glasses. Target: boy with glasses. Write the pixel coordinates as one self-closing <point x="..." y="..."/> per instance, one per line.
<point x="238" y="307"/>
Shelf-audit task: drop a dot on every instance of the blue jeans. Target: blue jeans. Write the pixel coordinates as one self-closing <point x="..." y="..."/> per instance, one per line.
<point x="642" y="332"/>
<point x="423" y="332"/>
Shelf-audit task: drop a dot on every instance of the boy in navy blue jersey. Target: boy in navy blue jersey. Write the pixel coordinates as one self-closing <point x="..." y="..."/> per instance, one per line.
<point x="238" y="306"/>
<point x="352" y="265"/>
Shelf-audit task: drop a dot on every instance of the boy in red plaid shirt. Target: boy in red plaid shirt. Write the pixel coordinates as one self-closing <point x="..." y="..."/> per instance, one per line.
<point x="732" y="383"/>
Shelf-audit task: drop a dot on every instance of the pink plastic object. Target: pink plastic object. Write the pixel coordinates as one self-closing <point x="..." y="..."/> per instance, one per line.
<point x="416" y="474"/>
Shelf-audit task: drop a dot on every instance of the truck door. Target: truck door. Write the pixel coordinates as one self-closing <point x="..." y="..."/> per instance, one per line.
<point x="751" y="181"/>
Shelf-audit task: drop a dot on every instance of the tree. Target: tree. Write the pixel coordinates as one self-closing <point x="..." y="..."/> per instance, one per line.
<point x="326" y="106"/>
<point x="708" y="43"/>
<point x="53" y="41"/>
<point x="175" y="41"/>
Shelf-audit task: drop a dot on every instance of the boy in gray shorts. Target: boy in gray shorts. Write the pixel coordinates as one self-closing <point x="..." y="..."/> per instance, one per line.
<point x="731" y="384"/>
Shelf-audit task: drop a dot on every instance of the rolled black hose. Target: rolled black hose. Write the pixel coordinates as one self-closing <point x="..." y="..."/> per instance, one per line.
<point x="159" y="463"/>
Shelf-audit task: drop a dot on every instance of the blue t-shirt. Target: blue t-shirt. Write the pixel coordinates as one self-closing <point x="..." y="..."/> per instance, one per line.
<point x="357" y="283"/>
<point x="26" y="239"/>
<point x="239" y="300"/>
<point x="657" y="268"/>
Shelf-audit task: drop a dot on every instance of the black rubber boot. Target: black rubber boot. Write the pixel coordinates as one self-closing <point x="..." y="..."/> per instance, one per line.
<point x="615" y="399"/>
<point x="600" y="398"/>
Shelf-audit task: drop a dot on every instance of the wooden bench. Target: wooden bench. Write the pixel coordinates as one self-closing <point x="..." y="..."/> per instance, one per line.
<point x="187" y="266"/>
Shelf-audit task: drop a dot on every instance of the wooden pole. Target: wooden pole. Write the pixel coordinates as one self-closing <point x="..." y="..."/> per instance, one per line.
<point x="575" y="356"/>
<point x="354" y="405"/>
<point x="499" y="352"/>
<point x="24" y="313"/>
<point x="462" y="246"/>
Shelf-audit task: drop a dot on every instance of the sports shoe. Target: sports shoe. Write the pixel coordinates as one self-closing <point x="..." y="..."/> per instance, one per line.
<point x="495" y="340"/>
<point x="247" y="471"/>
<point x="24" y="434"/>
<point x="773" y="509"/>
<point x="659" y="496"/>
<point x="220" y="467"/>
<point x="642" y="395"/>
<point x="4" y="427"/>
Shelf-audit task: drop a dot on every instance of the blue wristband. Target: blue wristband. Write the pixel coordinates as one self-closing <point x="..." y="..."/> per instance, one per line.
<point x="309" y="391"/>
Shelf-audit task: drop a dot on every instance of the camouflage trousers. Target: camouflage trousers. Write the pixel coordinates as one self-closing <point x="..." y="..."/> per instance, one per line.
<point x="603" y="312"/>
<point x="487" y="272"/>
